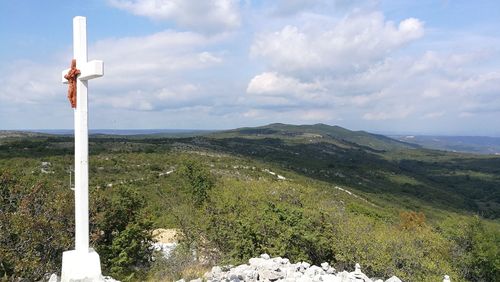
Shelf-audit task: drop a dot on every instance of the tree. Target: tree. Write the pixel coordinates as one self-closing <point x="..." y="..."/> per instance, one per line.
<point x="122" y="233"/>
<point x="197" y="180"/>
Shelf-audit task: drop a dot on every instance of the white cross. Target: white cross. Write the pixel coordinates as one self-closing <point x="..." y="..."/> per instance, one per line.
<point x="83" y="261"/>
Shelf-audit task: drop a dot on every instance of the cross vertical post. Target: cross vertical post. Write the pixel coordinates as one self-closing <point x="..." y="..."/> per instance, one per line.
<point x="83" y="263"/>
<point x="81" y="141"/>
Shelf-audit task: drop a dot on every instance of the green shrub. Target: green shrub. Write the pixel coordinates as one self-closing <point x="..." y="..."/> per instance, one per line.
<point x="197" y="180"/>
<point x="35" y="227"/>
<point x="476" y="248"/>
<point x="122" y="234"/>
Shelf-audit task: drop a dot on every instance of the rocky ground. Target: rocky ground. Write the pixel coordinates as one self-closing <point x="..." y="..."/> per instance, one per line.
<point x="266" y="268"/>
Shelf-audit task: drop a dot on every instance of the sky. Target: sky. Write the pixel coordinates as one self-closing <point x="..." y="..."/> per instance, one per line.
<point x="390" y="66"/>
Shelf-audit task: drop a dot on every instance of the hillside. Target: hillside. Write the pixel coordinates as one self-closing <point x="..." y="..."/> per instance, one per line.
<point x="318" y="133"/>
<point x="375" y="164"/>
<point x="20" y="134"/>
<point x="309" y="193"/>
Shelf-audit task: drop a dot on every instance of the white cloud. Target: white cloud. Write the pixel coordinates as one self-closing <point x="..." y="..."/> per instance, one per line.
<point x="358" y="72"/>
<point x="410" y="29"/>
<point x="174" y="97"/>
<point x="356" y="41"/>
<point x="207" y="57"/>
<point x="28" y="82"/>
<point x="145" y="73"/>
<point x="211" y="16"/>
<point x="155" y="72"/>
<point x="150" y="61"/>
<point x="272" y="83"/>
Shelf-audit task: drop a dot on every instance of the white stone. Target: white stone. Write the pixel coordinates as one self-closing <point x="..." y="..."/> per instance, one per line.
<point x="393" y="279"/>
<point x="330" y="278"/>
<point x="265" y="256"/>
<point x="344" y="276"/>
<point x="303" y="279"/>
<point x="216" y="269"/>
<point x="313" y="271"/>
<point x="280" y="269"/>
<point x="358" y="275"/>
<point x="53" y="278"/>
<point x="165" y="248"/>
<point x="357" y="269"/>
<point x="446" y="278"/>
<point x="81" y="266"/>
<point x="254" y="261"/>
<point x="251" y="275"/>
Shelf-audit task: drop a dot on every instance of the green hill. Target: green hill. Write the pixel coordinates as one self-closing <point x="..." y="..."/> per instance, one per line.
<point x="318" y="133"/>
<point x="383" y="167"/>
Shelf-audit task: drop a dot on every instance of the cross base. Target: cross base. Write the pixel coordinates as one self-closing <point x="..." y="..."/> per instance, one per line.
<point x="79" y="266"/>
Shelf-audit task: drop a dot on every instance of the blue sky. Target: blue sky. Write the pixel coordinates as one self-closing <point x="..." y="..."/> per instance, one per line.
<point x="428" y="67"/>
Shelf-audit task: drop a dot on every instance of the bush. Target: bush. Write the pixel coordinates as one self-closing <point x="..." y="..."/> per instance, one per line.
<point x="35" y="227"/>
<point x="180" y="264"/>
<point x="197" y="180"/>
<point x="122" y="234"/>
<point x="476" y="249"/>
<point x="417" y="254"/>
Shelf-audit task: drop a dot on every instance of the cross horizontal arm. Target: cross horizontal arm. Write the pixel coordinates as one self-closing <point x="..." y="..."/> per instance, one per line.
<point x="89" y="70"/>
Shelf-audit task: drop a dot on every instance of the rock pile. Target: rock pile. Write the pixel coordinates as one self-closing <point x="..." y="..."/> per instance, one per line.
<point x="266" y="268"/>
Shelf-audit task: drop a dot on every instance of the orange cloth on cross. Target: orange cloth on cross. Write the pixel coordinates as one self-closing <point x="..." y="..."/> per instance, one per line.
<point x="71" y="77"/>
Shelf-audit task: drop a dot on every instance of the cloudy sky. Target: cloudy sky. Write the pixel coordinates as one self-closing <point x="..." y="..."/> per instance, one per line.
<point x="426" y="66"/>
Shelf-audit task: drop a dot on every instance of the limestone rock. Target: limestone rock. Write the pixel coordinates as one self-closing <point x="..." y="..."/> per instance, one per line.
<point x="265" y="268"/>
<point x="265" y="256"/>
<point x="393" y="279"/>
<point x="53" y="278"/>
<point x="110" y="279"/>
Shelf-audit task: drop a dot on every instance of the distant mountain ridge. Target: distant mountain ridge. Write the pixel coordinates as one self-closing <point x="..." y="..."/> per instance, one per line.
<point x="20" y="133"/>
<point x="319" y="133"/>
<point x="466" y="144"/>
<point x="300" y="133"/>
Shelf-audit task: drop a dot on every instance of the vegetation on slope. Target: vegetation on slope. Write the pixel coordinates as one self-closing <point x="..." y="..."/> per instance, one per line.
<point x="400" y="211"/>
